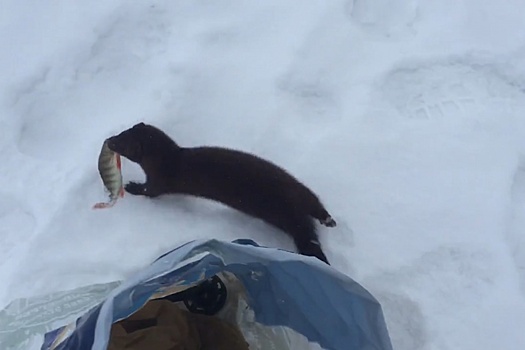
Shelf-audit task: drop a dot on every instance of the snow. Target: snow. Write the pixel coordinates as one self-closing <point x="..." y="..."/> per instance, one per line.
<point x="406" y="117"/>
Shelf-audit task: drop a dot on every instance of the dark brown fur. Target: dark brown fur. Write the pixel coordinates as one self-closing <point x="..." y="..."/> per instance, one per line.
<point x="240" y="180"/>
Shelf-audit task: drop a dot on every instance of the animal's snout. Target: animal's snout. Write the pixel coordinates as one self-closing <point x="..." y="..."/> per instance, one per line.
<point x="111" y="143"/>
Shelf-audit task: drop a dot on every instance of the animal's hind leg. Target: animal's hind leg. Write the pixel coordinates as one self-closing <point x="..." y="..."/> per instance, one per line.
<point x="322" y="215"/>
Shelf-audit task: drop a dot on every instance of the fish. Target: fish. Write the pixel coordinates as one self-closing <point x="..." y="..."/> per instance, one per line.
<point x="110" y="170"/>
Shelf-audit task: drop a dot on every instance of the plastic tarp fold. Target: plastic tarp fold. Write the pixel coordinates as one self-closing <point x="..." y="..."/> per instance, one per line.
<point x="283" y="289"/>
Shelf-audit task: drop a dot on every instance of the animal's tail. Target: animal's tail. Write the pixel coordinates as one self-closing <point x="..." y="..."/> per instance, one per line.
<point x="312" y="248"/>
<point x="306" y="239"/>
<point x="300" y="225"/>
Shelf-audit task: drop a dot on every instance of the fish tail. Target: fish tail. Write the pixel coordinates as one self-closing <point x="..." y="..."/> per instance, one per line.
<point x="103" y="205"/>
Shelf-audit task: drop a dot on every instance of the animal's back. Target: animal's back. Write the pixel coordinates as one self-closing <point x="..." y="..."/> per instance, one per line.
<point x="239" y="179"/>
<point x="255" y="187"/>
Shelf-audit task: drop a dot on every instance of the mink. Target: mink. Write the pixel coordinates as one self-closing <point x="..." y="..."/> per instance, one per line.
<point x="237" y="179"/>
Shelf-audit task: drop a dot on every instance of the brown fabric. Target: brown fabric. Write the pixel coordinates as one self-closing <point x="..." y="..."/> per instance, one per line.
<point x="217" y="334"/>
<point x="161" y="325"/>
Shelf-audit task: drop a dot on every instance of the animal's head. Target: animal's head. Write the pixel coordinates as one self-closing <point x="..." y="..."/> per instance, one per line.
<point x="141" y="140"/>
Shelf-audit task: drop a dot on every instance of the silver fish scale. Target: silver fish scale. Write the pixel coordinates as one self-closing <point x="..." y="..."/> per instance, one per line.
<point x="109" y="172"/>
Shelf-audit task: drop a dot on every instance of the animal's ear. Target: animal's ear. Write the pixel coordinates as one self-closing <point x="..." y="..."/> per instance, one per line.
<point x="139" y="125"/>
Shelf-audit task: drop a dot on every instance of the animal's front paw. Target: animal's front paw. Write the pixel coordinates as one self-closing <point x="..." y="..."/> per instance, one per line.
<point x="136" y="188"/>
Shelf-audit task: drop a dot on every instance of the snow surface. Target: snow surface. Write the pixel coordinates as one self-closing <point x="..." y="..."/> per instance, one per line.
<point x="407" y="117"/>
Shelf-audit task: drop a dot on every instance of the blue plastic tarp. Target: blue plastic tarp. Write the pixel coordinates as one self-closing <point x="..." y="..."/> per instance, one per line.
<point x="283" y="289"/>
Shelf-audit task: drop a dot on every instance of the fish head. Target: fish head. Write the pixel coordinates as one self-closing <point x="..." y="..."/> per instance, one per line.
<point x="128" y="144"/>
<point x="141" y="141"/>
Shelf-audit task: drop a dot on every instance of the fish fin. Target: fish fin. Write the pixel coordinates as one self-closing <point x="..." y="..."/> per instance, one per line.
<point x="119" y="162"/>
